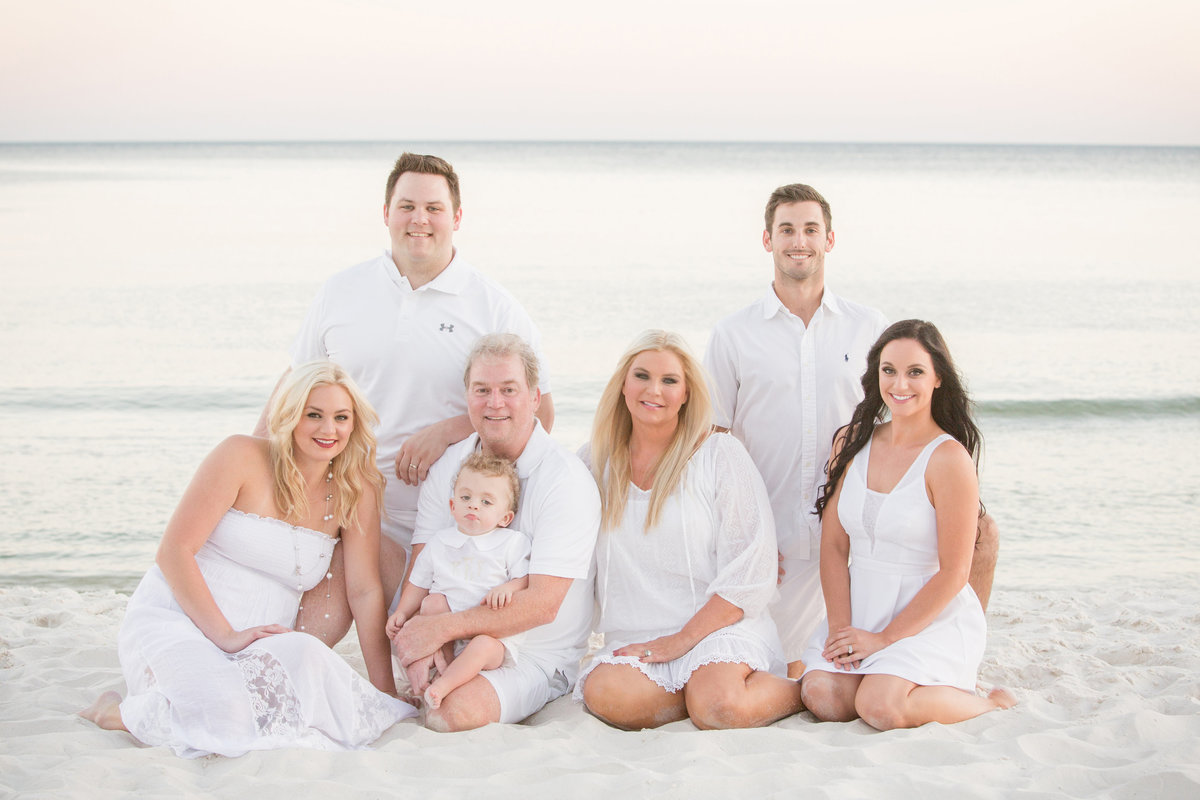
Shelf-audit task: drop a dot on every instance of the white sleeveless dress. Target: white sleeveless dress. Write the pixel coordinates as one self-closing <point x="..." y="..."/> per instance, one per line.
<point x="286" y="690"/>
<point x="888" y="566"/>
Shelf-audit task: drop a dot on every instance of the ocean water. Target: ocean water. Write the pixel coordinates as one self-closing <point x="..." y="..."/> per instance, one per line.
<point x="150" y="293"/>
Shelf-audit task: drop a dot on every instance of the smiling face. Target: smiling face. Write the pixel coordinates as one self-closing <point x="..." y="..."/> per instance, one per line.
<point x="655" y="388"/>
<point x="501" y="405"/>
<point x="325" y="424"/>
<point x="421" y="221"/>
<point x="798" y="241"/>
<point x="481" y="502"/>
<point x="907" y="378"/>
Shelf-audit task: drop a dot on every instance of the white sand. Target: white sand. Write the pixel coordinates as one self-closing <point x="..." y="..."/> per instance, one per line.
<point x="1108" y="684"/>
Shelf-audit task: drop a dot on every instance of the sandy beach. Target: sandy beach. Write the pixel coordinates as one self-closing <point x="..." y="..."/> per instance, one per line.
<point x="126" y="377"/>
<point x="1108" y="682"/>
<point x="178" y="180"/>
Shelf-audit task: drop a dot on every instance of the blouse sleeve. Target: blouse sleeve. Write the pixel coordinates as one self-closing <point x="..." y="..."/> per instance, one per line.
<point x="746" y="551"/>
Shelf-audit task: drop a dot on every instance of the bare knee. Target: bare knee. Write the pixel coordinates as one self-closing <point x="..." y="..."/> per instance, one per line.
<point x="435" y="604"/>
<point x="624" y="698"/>
<point x="719" y="707"/>
<point x="604" y="697"/>
<point x="826" y="700"/>
<point x="470" y="706"/>
<point x="441" y="719"/>
<point x="881" y="712"/>
<point x="452" y="716"/>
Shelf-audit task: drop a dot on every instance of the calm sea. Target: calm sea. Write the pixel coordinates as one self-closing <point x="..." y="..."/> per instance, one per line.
<point x="150" y="293"/>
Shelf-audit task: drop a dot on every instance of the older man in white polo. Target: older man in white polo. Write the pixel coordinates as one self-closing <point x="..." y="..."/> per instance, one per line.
<point x="560" y="511"/>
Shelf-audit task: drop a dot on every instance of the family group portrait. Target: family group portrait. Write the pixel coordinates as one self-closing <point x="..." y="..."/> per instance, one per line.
<point x="405" y="442"/>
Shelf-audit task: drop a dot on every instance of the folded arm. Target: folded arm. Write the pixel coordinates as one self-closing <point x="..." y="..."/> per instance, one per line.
<point x="536" y="605"/>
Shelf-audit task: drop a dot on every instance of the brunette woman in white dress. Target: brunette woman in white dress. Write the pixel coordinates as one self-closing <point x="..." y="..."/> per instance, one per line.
<point x="686" y="558"/>
<point x="904" y="632"/>
<point x="207" y="649"/>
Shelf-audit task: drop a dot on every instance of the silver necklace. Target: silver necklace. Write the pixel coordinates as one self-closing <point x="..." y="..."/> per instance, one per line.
<point x="296" y="545"/>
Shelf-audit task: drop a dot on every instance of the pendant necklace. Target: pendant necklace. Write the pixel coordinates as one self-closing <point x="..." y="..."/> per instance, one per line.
<point x="296" y="544"/>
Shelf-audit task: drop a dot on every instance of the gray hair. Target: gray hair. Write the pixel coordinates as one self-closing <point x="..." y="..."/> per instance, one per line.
<point x="503" y="345"/>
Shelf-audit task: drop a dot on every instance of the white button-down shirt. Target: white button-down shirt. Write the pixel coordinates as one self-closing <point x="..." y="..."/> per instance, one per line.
<point x="784" y="389"/>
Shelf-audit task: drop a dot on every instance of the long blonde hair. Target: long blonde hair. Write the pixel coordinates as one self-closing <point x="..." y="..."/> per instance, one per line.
<point x="353" y="467"/>
<point x="613" y="425"/>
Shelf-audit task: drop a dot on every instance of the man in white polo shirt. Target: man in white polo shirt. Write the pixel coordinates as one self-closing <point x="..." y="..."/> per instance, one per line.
<point x="402" y="325"/>
<point x="559" y="510"/>
<point x="786" y="374"/>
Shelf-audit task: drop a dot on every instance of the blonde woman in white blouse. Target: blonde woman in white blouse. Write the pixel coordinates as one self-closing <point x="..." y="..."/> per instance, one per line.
<point x="686" y="557"/>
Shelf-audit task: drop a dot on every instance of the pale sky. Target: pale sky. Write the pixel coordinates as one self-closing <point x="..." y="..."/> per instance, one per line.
<point x="1053" y="71"/>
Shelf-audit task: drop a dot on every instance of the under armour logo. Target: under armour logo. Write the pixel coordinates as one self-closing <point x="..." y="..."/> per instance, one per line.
<point x="448" y="327"/>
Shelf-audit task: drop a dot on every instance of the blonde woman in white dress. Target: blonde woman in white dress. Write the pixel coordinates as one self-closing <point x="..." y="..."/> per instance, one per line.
<point x="686" y="558"/>
<point x="207" y="647"/>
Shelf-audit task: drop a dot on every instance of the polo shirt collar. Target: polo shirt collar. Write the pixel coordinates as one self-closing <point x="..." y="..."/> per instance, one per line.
<point x="487" y="541"/>
<point x="454" y="279"/>
<point x="536" y="448"/>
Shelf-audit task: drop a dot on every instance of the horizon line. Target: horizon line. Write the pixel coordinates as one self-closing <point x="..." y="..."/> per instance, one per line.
<point x="615" y="141"/>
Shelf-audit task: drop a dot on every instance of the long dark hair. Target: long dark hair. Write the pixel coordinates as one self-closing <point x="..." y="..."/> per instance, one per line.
<point x="952" y="409"/>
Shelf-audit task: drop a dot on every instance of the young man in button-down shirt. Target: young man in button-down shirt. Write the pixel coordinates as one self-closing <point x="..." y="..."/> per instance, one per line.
<point x="786" y="374"/>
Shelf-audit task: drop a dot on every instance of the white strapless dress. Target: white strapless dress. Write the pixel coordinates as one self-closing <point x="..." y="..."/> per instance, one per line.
<point x="286" y="690"/>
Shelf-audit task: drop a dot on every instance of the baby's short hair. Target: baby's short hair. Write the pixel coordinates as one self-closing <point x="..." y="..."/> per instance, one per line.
<point x="494" y="467"/>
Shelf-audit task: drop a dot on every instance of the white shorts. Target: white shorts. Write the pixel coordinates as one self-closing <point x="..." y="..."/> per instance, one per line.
<point x="525" y="687"/>
<point x="799" y="607"/>
<point x="511" y="644"/>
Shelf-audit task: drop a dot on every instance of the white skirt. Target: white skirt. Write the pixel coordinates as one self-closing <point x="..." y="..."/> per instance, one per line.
<point x="754" y="643"/>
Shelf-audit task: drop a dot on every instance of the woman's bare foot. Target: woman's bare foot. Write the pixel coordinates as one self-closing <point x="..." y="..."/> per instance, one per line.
<point x="1002" y="697"/>
<point x="106" y="712"/>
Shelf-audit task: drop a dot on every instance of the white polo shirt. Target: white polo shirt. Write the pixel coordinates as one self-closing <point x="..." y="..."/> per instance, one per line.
<point x="559" y="509"/>
<point x="465" y="568"/>
<point x="784" y="390"/>
<point x="407" y="351"/>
